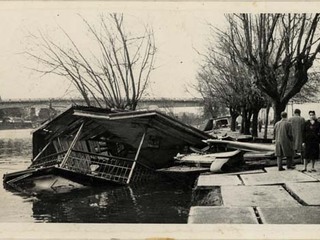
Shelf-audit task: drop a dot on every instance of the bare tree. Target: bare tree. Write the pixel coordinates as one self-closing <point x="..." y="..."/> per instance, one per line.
<point x="114" y="77"/>
<point x="213" y="88"/>
<point x="230" y="81"/>
<point x="278" y="48"/>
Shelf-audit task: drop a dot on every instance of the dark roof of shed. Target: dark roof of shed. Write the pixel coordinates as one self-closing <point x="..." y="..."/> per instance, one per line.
<point x="69" y="120"/>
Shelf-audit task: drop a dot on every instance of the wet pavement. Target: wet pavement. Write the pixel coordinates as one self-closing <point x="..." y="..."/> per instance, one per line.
<point x="266" y="196"/>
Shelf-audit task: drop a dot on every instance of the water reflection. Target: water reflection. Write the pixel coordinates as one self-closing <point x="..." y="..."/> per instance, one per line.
<point x="160" y="202"/>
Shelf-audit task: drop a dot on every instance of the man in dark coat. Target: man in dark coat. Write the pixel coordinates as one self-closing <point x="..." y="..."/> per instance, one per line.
<point x="284" y="141"/>
<point x="297" y="123"/>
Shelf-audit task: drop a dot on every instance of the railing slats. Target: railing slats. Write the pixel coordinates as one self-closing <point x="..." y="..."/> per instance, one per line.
<point x="110" y="168"/>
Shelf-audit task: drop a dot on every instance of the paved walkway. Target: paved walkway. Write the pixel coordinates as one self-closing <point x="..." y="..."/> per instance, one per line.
<point x="264" y="196"/>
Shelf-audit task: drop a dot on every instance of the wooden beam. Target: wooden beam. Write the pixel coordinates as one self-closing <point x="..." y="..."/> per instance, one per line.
<point x="43" y="149"/>
<point x="63" y="163"/>
<point x="253" y="147"/>
<point x="136" y="157"/>
<point x="113" y="117"/>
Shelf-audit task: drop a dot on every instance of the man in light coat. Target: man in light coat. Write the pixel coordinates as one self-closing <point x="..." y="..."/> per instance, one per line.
<point x="284" y="141"/>
<point x="297" y="123"/>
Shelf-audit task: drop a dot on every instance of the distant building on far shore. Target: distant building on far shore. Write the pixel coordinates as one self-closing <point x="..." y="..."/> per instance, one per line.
<point x="304" y="107"/>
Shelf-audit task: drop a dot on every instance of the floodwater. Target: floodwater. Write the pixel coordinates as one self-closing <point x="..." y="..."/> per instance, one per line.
<point x="160" y="202"/>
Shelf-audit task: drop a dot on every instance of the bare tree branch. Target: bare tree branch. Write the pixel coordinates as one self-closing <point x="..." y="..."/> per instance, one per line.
<point x="115" y="77"/>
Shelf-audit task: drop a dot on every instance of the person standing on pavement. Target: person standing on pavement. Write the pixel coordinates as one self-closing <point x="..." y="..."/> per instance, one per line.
<point x="284" y="141"/>
<point x="311" y="138"/>
<point x="297" y="123"/>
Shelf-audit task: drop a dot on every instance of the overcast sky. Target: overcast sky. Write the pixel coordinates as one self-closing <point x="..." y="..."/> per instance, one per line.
<point x="179" y="29"/>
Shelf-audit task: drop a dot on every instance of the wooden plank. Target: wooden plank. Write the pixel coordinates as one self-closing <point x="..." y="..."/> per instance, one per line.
<point x="39" y="154"/>
<point x="63" y="163"/>
<point x="111" y="117"/>
<point x="19" y="178"/>
<point x="258" y="155"/>
<point x="183" y="169"/>
<point x="136" y="157"/>
<point x="206" y="158"/>
<point x="217" y="165"/>
<point x="243" y="145"/>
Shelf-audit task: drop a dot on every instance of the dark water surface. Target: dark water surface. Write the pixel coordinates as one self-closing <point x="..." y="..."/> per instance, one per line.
<point x="160" y="202"/>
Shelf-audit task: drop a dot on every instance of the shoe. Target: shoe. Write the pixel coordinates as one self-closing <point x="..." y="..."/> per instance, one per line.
<point x="313" y="170"/>
<point x="303" y="170"/>
<point x="291" y="168"/>
<point x="281" y="169"/>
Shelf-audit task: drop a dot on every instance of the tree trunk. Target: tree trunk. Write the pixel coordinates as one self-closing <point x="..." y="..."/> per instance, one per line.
<point x="233" y="123"/>
<point x="209" y="109"/>
<point x="266" y="122"/>
<point x="247" y="123"/>
<point x="278" y="108"/>
<point x="243" y="117"/>
<point x="234" y="114"/>
<point x="255" y="123"/>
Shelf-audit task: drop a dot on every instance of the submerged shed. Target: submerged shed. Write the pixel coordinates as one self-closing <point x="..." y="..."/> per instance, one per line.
<point x="115" y="146"/>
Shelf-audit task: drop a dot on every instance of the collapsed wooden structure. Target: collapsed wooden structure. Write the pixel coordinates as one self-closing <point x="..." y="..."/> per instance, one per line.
<point x="221" y="154"/>
<point x="90" y="145"/>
